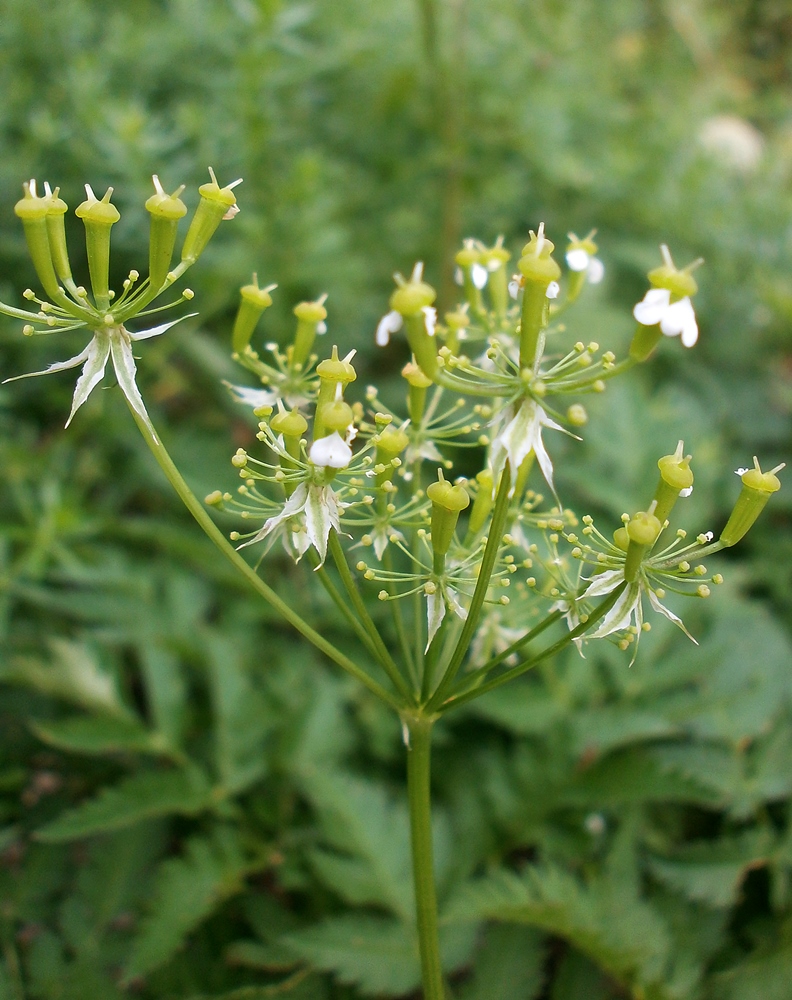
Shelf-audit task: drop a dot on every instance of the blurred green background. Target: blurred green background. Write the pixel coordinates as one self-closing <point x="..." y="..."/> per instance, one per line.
<point x="371" y="135"/>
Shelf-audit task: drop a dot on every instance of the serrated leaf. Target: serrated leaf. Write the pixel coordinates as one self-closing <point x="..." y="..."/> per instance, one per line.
<point x="763" y="977"/>
<point x="242" y="718"/>
<point x="372" y="829"/>
<point x="145" y="795"/>
<point x="166" y="691"/>
<point x="74" y="675"/>
<point x="508" y="966"/>
<point x="98" y="735"/>
<point x="712" y="872"/>
<point x="252" y="955"/>
<point x="603" y="920"/>
<point x="188" y="889"/>
<point x="376" y="954"/>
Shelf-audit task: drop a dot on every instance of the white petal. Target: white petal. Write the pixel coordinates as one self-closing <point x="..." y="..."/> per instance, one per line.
<point x="620" y="615"/>
<point x="455" y="605"/>
<point x="595" y="271"/>
<point x="435" y="613"/>
<point x="390" y="323"/>
<point x="321" y="327"/>
<point x="252" y="397"/>
<point x="430" y="319"/>
<point x="737" y="472"/>
<point x="514" y="288"/>
<point x="678" y="317"/>
<point x="92" y="373"/>
<point x="668" y="614"/>
<point x="232" y="211"/>
<point x="604" y="583"/>
<point x="552" y="290"/>
<point x="332" y="451"/>
<point x="479" y="275"/>
<point x="155" y="331"/>
<point x="686" y="492"/>
<point x="577" y="260"/>
<point x="293" y="506"/>
<point x="56" y="366"/>
<point x="125" y="370"/>
<point x="321" y="514"/>
<point x="651" y="309"/>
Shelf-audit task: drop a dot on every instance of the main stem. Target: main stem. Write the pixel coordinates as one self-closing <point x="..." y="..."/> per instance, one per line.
<point x="419" y="797"/>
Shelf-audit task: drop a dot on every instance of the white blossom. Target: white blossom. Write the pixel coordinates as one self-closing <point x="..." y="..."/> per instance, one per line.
<point x="522" y="435"/>
<point x="579" y="259"/>
<point x="552" y="290"/>
<point x="112" y="343"/>
<point x="331" y="452"/>
<point x="316" y="507"/>
<point x="479" y="275"/>
<point x="390" y="323"/>
<point x="675" y="318"/>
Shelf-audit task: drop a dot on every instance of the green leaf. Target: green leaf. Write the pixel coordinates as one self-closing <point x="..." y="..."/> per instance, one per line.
<point x="712" y="872"/>
<point x="376" y="954"/>
<point x="763" y="977"/>
<point x="508" y="966"/>
<point x="579" y="979"/>
<point x="360" y="819"/>
<point x="242" y="717"/>
<point x="98" y="735"/>
<point x="166" y="691"/>
<point x="145" y="795"/>
<point x="188" y="889"/>
<point x="73" y="675"/>
<point x="603" y="920"/>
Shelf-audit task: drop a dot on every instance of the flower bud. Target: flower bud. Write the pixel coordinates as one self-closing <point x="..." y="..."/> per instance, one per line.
<point x="99" y="217"/>
<point x="643" y="530"/>
<point x="334" y="370"/>
<point x="391" y="442"/>
<point x="56" y="232"/>
<point x="482" y="505"/>
<point x="413" y="374"/>
<point x="33" y="212"/>
<point x="253" y="302"/>
<point x="412" y="296"/>
<point x="336" y="416"/>
<point x="215" y="205"/>
<point x="757" y="488"/>
<point x="539" y="270"/>
<point x="165" y="210"/>
<point x="576" y="415"/>
<point x="621" y="539"/>
<point x="681" y="284"/>
<point x="310" y="321"/>
<point x="290" y="424"/>
<point x="447" y="502"/>
<point x="676" y="478"/>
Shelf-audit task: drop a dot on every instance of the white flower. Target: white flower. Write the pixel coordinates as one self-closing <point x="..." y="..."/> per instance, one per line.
<point x="522" y="435"/>
<point x="390" y="323"/>
<point x="675" y="318"/>
<point x="628" y="610"/>
<point x="331" y="452"/>
<point x="317" y="505"/>
<point x="438" y="601"/>
<point x="479" y="275"/>
<point x="114" y="342"/>
<point x="552" y="290"/>
<point x="580" y="259"/>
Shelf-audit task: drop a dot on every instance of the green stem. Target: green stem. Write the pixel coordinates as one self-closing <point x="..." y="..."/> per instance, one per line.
<point x="602" y="609"/>
<point x="384" y="657"/>
<point x="476" y="675"/>
<point x="398" y="621"/>
<point x="338" y="599"/>
<point x="499" y="515"/>
<point x="419" y="796"/>
<point x="196" y="508"/>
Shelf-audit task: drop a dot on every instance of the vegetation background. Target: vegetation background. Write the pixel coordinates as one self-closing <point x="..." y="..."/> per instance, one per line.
<point x="191" y="805"/>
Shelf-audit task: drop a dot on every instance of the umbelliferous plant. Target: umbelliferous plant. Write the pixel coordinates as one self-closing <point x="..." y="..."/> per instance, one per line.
<point x="480" y="579"/>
